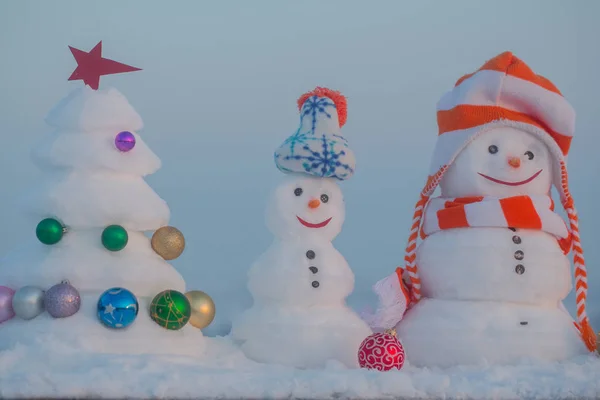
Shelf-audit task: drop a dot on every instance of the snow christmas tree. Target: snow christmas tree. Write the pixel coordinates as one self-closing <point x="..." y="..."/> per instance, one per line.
<point x="92" y="278"/>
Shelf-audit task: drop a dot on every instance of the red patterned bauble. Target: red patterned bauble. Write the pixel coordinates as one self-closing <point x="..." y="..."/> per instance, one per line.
<point x="381" y="351"/>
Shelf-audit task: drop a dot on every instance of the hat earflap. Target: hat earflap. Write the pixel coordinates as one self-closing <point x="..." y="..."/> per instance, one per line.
<point x="389" y="289"/>
<point x="581" y="285"/>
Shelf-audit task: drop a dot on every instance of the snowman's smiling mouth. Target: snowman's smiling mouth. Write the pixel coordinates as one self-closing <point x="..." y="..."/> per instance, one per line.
<point x="532" y="177"/>
<point x="309" y="225"/>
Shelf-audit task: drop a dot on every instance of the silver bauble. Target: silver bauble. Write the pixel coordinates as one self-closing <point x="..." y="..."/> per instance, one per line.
<point x="28" y="302"/>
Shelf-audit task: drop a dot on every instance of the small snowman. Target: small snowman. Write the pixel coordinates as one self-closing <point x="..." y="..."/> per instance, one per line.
<point x="299" y="285"/>
<point x="488" y="280"/>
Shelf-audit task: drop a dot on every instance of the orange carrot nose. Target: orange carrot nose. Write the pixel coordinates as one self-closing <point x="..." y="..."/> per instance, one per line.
<point x="314" y="203"/>
<point x="514" y="162"/>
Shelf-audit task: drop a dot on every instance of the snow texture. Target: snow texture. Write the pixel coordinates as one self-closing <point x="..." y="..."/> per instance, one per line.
<point x="299" y="285"/>
<point x="462" y="178"/>
<point x="94" y="152"/>
<point x="86" y="123"/>
<point x="55" y="369"/>
<point x="88" y="185"/>
<point x="484" y="268"/>
<point x="81" y="258"/>
<point x="87" y="110"/>
<point x="86" y="199"/>
<point x="478" y="308"/>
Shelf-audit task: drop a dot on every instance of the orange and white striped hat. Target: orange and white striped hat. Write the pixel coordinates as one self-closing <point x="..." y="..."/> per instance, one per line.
<point x="505" y="92"/>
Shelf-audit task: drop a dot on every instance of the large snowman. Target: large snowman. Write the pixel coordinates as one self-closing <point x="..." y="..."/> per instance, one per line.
<point x="299" y="285"/>
<point x="490" y="275"/>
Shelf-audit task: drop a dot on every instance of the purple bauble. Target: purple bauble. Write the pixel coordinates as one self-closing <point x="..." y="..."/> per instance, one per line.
<point x="6" y="309"/>
<point x="62" y="300"/>
<point x="125" y="141"/>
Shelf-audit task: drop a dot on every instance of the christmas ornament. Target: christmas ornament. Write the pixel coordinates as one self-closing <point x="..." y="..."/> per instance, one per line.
<point x="203" y="308"/>
<point x="170" y="309"/>
<point x="91" y="66"/>
<point x="114" y="238"/>
<point x="28" y="302"/>
<point x="6" y="309"/>
<point x="117" y="308"/>
<point x="381" y="351"/>
<point x="125" y="141"/>
<point x="62" y="300"/>
<point x="49" y="231"/>
<point x="168" y="242"/>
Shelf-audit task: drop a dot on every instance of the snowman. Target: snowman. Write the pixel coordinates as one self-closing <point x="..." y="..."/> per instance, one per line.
<point x="299" y="285"/>
<point x="489" y="278"/>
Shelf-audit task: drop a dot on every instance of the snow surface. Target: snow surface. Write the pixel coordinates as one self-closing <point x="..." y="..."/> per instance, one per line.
<point x="56" y="370"/>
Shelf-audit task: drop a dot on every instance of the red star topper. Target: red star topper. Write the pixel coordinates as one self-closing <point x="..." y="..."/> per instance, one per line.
<point x="91" y="66"/>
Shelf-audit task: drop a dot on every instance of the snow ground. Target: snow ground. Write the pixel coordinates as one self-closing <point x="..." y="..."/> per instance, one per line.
<point x="224" y="372"/>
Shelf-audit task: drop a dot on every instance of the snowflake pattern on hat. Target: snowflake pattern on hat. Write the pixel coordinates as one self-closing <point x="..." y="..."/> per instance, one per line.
<point x="317" y="148"/>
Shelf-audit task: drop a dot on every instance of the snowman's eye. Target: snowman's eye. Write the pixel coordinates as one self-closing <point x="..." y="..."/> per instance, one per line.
<point x="493" y="149"/>
<point x="324" y="198"/>
<point x="529" y="155"/>
<point x="298" y="191"/>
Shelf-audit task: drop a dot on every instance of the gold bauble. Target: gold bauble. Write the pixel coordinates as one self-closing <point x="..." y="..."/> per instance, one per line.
<point x="203" y="308"/>
<point x="168" y="242"/>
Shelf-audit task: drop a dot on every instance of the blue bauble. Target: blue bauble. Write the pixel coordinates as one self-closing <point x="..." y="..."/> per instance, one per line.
<point x="117" y="308"/>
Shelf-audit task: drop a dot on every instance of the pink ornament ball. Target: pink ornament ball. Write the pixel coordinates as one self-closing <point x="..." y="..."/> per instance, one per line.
<point x="125" y="141"/>
<point x="6" y="309"/>
<point x="381" y="351"/>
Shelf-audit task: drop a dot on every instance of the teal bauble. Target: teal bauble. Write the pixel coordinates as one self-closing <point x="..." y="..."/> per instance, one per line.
<point x="114" y="238"/>
<point x="49" y="231"/>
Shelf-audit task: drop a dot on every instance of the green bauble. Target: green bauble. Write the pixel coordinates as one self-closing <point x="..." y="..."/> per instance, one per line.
<point x="49" y="231"/>
<point x="170" y="309"/>
<point x="114" y="238"/>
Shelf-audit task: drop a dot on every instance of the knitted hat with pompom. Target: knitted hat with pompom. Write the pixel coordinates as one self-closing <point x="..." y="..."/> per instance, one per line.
<point x="318" y="147"/>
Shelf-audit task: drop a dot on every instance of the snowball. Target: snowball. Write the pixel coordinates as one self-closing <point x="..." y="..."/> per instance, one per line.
<point x="479" y="264"/>
<point x="96" y="151"/>
<point x="304" y="337"/>
<point x="463" y="177"/>
<point x="82" y="199"/>
<point x="282" y="275"/>
<point x="285" y="208"/>
<point x="445" y="333"/>
<point x="88" y="110"/>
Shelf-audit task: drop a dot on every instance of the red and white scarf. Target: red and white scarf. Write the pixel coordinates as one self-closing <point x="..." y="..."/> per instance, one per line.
<point x="521" y="212"/>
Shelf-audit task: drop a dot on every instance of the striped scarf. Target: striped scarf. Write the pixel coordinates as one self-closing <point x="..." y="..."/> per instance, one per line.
<point x="521" y="212"/>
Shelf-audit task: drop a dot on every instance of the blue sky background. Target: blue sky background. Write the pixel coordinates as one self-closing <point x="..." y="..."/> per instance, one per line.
<point x="217" y="94"/>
